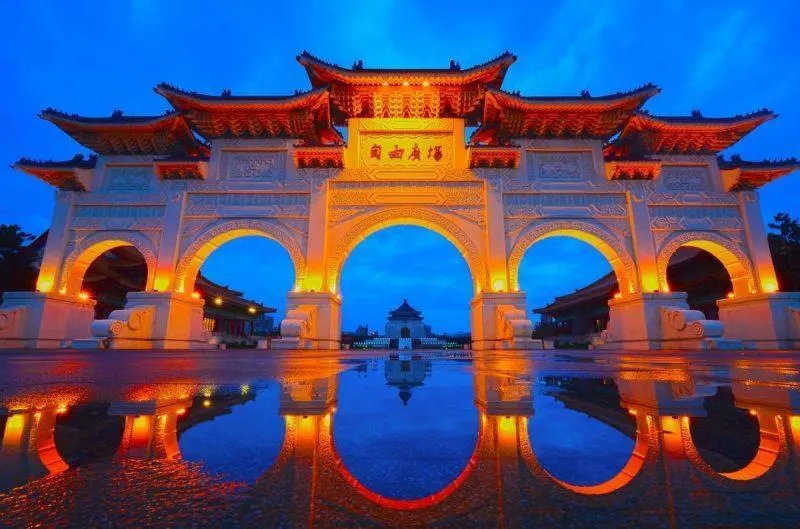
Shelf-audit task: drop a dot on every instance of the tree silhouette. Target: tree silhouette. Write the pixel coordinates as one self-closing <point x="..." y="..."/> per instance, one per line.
<point x="17" y="261"/>
<point x="785" y="248"/>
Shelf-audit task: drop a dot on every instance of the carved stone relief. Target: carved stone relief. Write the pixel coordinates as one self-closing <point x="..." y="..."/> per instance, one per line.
<point x="247" y="204"/>
<point x="685" y="178"/>
<point x="128" y="179"/>
<point x="565" y="205"/>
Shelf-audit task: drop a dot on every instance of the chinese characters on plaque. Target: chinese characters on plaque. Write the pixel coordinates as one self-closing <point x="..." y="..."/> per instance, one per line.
<point x="433" y="152"/>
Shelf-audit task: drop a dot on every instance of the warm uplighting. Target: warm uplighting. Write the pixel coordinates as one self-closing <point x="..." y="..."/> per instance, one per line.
<point x="83" y="296"/>
<point x="207" y="403"/>
<point x="632" y="412"/>
<point x="61" y="409"/>
<point x="498" y="285"/>
<point x="730" y="295"/>
<point x="666" y="290"/>
<point x="181" y="411"/>
<point x="618" y="295"/>
<point x="425" y="83"/>
<point x="405" y="83"/>
<point x="44" y="285"/>
<point x="770" y="286"/>
<point x="251" y="310"/>
<point x="753" y="413"/>
<point x="218" y="301"/>
<point x="195" y="295"/>
<point x="161" y="284"/>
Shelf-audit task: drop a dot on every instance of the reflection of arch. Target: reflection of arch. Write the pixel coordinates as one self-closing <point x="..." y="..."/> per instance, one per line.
<point x="329" y="447"/>
<point x="422" y="217"/>
<point x="768" y="463"/>
<point x="224" y="231"/>
<point x="621" y="262"/>
<point x="645" y="447"/>
<point x="94" y="245"/>
<point x="728" y="252"/>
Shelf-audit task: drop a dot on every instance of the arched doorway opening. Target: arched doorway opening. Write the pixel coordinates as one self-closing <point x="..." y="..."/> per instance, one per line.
<point x="737" y="265"/>
<point x="243" y="281"/>
<point x="568" y="283"/>
<point x="702" y="276"/>
<point x="417" y="409"/>
<point x="110" y="277"/>
<point x="582" y="437"/>
<point x="728" y="440"/>
<point x="405" y="282"/>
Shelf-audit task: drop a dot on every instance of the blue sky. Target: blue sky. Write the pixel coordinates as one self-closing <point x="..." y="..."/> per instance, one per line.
<point x="720" y="57"/>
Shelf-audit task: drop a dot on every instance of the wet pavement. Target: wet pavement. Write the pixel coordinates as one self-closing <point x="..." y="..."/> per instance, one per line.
<point x="331" y="439"/>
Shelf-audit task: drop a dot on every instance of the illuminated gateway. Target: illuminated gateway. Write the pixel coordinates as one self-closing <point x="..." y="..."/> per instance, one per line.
<point x="635" y="186"/>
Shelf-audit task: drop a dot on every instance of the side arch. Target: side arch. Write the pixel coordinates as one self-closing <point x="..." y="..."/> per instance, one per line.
<point x="645" y="451"/>
<point x="763" y="470"/>
<point x="92" y="246"/>
<point x="727" y="251"/>
<point x="621" y="261"/>
<point x="224" y="231"/>
<point x="422" y="217"/>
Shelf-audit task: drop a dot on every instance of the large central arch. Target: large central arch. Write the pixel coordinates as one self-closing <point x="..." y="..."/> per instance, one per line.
<point x="621" y="262"/>
<point x="220" y="233"/>
<point x="408" y="216"/>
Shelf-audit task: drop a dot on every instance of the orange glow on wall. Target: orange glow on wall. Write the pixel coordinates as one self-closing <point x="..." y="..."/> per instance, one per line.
<point x="498" y="285"/>
<point x="769" y="286"/>
<point x="15" y="426"/>
<point x="618" y="295"/>
<point x="161" y="284"/>
<point x="650" y="283"/>
<point x="195" y="295"/>
<point x="730" y="295"/>
<point x="83" y="296"/>
<point x="44" y="284"/>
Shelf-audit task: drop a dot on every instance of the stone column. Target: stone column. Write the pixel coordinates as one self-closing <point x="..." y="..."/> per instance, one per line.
<point x="643" y="247"/>
<point x="766" y="319"/>
<point x="169" y="246"/>
<point x="57" y="239"/>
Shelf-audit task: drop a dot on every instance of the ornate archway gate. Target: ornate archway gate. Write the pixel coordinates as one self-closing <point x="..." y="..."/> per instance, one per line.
<point x="600" y="169"/>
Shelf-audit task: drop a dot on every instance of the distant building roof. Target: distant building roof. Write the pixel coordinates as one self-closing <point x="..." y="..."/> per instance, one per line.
<point x="405" y="312"/>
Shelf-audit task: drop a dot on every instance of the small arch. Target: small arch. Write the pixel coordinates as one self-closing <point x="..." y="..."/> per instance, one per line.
<point x="621" y="262"/>
<point x="643" y="449"/>
<point x="769" y="461"/>
<point x="724" y="249"/>
<point x="421" y="217"/>
<point x="93" y="246"/>
<point x="222" y="232"/>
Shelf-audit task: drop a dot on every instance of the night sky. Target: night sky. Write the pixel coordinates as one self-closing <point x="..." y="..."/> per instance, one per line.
<point x="722" y="58"/>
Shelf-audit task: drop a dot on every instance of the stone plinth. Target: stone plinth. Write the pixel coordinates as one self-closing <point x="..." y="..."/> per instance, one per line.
<point x="38" y="320"/>
<point x="500" y="321"/>
<point x="763" y="321"/>
<point x="660" y="320"/>
<point x="313" y="321"/>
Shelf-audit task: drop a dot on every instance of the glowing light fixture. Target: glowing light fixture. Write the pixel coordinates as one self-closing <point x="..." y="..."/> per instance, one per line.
<point x="83" y="296"/>
<point x="61" y="409"/>
<point x="384" y="83"/>
<point x="195" y="295"/>
<point x="181" y="411"/>
<point x="730" y="295"/>
<point x="251" y="310"/>
<point x="618" y="295"/>
<point x="425" y="83"/>
<point x="405" y="83"/>
<point x="44" y="285"/>
<point x="217" y="301"/>
<point x="206" y="403"/>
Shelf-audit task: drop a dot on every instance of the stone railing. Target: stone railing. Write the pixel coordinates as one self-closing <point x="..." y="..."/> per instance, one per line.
<point x="124" y="328"/>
